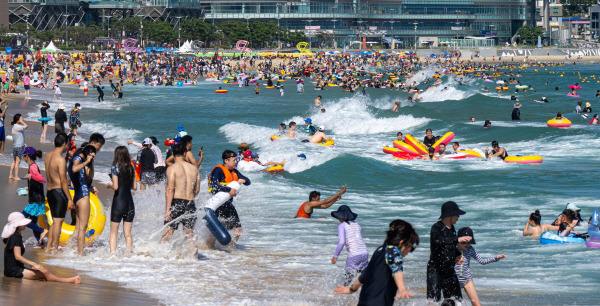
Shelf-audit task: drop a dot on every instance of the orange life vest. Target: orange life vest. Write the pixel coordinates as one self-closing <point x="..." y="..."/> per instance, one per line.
<point x="229" y="176"/>
<point x="301" y="213"/>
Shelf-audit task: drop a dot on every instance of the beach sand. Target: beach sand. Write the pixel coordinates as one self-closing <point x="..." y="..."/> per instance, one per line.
<point x="19" y="292"/>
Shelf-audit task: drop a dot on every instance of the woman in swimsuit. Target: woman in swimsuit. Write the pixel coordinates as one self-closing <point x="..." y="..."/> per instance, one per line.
<point x="81" y="177"/>
<point x="123" y="181"/>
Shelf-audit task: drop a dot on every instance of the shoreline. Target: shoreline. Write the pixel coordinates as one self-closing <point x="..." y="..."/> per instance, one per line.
<point x="17" y="290"/>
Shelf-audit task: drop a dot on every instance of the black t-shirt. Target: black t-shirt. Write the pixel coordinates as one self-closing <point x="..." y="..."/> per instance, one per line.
<point x="379" y="287"/>
<point x="13" y="267"/>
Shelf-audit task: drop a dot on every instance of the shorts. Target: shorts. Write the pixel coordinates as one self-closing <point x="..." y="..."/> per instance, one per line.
<point x="148" y="178"/>
<point x="57" y="201"/>
<point x="228" y="216"/>
<point x="26" y="87"/>
<point x="2" y="135"/>
<point x="186" y="209"/>
<point x="59" y="128"/>
<point x="18" y="152"/>
<point x="44" y="123"/>
<point x="161" y="173"/>
<point x="85" y="90"/>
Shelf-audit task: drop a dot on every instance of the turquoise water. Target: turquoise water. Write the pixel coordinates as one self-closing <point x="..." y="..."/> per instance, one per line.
<point x="284" y="260"/>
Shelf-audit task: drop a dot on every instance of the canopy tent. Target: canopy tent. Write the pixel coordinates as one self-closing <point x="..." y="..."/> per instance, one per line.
<point x="186" y="47"/>
<point x="51" y="48"/>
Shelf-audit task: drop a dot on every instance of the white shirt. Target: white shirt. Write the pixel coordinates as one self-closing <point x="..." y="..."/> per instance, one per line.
<point x="250" y="166"/>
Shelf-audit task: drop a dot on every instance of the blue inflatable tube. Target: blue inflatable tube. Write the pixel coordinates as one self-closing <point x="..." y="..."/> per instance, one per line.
<point x="216" y="228"/>
<point x="179" y="84"/>
<point x="45" y="119"/>
<point x="550" y="237"/>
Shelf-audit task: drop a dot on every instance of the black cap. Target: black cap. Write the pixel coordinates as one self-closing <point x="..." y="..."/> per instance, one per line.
<point x="466" y="231"/>
<point x="450" y="209"/>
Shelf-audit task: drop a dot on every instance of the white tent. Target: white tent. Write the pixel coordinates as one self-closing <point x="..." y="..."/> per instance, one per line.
<point x="186" y="47"/>
<point x="51" y="48"/>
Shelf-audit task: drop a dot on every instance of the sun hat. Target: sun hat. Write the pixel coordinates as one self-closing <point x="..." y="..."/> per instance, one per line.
<point x="322" y="128"/>
<point x="308" y="120"/>
<point x="344" y="213"/>
<point x="29" y="151"/>
<point x="587" y="104"/>
<point x="248" y="154"/>
<point x="15" y="220"/>
<point x="517" y="105"/>
<point x="61" y="106"/>
<point x="180" y="128"/>
<point x="466" y="231"/>
<point x="147" y="141"/>
<point x="573" y="207"/>
<point x="450" y="209"/>
<point x="243" y="146"/>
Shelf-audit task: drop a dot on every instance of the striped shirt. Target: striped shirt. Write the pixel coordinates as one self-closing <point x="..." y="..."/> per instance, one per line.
<point x="350" y="236"/>
<point x="464" y="271"/>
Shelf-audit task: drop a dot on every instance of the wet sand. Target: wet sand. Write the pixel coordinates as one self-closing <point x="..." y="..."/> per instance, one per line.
<point x="26" y="292"/>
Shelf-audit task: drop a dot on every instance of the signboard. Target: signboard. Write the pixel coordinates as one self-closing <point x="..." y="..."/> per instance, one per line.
<point x="312" y="27"/>
<point x="372" y="28"/>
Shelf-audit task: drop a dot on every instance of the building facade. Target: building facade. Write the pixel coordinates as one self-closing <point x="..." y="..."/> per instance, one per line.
<point x="4" y="12"/>
<point x="402" y="23"/>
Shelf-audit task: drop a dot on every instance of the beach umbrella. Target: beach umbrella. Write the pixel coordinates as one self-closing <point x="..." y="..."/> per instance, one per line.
<point x="383" y="53"/>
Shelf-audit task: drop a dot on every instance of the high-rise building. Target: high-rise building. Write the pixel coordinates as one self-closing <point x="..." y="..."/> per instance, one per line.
<point x="399" y="22"/>
<point x="4" y="12"/>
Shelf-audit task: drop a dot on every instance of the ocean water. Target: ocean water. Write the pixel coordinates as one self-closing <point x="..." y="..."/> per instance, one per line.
<point x="282" y="260"/>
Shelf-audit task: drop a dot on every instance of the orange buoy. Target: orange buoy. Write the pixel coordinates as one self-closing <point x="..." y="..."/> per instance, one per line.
<point x="221" y="91"/>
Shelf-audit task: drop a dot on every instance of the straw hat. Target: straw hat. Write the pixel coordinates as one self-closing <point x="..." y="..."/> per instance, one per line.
<point x="587" y="104"/>
<point x="517" y="105"/>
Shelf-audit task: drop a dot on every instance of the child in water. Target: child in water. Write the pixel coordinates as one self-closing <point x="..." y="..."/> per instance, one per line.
<point x="349" y="234"/>
<point x="14" y="262"/>
<point x="463" y="271"/>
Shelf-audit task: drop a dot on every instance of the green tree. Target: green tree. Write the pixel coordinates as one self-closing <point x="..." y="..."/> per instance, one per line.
<point x="233" y="31"/>
<point x="197" y="29"/>
<point x="261" y="33"/>
<point x="131" y="26"/>
<point x="160" y="32"/>
<point x="45" y="36"/>
<point x="529" y="34"/>
<point x="293" y="37"/>
<point x="575" y="7"/>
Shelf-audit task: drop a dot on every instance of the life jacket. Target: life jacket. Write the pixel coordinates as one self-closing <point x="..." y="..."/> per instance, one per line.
<point x="301" y="213"/>
<point x="248" y="159"/>
<point x="229" y="176"/>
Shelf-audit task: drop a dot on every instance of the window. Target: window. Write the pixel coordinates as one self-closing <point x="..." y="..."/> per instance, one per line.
<point x="555" y="11"/>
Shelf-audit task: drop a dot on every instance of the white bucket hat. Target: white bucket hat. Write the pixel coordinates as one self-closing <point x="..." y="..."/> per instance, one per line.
<point x="15" y="220"/>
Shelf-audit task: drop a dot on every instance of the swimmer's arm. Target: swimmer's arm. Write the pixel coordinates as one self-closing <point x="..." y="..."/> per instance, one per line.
<point x="197" y="185"/>
<point x="115" y="182"/>
<point x="134" y="185"/>
<point x="20" y="258"/>
<point x="341" y="241"/>
<point x="137" y="144"/>
<point x="241" y="176"/>
<point x="170" y="161"/>
<point x="169" y="192"/>
<point x="527" y="231"/>
<point x="77" y="165"/>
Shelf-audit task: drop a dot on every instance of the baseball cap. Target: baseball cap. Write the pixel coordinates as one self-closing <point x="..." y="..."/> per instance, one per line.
<point x="29" y="151"/>
<point x="573" y="207"/>
<point x="321" y="128"/>
<point x="308" y="120"/>
<point x="147" y="141"/>
<point x="248" y="154"/>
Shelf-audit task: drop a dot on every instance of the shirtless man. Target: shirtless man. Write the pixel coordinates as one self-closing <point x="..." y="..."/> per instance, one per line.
<point x="183" y="185"/>
<point x="319" y="136"/>
<point x="314" y="202"/>
<point x="318" y="101"/>
<point x="292" y="131"/>
<point x="186" y="141"/>
<point x="59" y="197"/>
<point x="497" y="151"/>
<point x="395" y="107"/>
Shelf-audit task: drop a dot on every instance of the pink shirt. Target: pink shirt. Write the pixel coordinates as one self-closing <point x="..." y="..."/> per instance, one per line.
<point x="26" y="80"/>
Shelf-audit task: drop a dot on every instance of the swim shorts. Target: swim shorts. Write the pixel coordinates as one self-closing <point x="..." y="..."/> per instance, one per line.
<point x="26" y="87"/>
<point x="186" y="209"/>
<point x="148" y="178"/>
<point x="85" y="90"/>
<point x="2" y="134"/>
<point x="18" y="152"/>
<point x="58" y="203"/>
<point x="228" y="216"/>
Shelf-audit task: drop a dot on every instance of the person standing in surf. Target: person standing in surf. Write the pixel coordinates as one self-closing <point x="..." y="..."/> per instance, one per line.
<point x="441" y="277"/>
<point x="220" y="176"/>
<point x="58" y="195"/>
<point x="183" y="185"/>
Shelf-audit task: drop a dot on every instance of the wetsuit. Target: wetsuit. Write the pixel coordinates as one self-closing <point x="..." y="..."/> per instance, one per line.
<point x="44" y="113"/>
<point x="516" y="114"/>
<point x="503" y="156"/>
<point x="217" y="180"/>
<point x="81" y="182"/>
<point x="428" y="142"/>
<point x="122" y="205"/>
<point x="441" y="276"/>
<point x="379" y="287"/>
